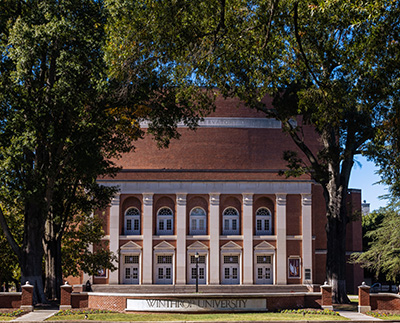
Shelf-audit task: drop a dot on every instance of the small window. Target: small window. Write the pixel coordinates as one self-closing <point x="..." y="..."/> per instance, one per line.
<point x="263" y="222"/>
<point x="165" y="221"/>
<point x="132" y="221"/>
<point x="198" y="221"/>
<point x="230" y="221"/>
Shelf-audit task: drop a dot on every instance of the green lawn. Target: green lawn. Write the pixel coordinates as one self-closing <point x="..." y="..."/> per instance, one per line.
<point x="385" y="316"/>
<point x="199" y="317"/>
<point x="8" y="315"/>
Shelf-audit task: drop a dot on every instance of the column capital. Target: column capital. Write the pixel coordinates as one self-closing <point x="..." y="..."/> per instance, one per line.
<point x="214" y="198"/>
<point x="181" y="198"/>
<point x="147" y="199"/>
<point x="115" y="200"/>
<point x="281" y="199"/>
<point x="306" y="199"/>
<point x="247" y="199"/>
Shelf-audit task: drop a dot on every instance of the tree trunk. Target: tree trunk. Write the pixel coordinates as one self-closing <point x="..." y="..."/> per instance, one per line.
<point x="53" y="270"/>
<point x="32" y="252"/>
<point x="336" y="244"/>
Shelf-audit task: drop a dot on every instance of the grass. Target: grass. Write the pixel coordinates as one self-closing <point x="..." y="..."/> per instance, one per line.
<point x="10" y="315"/>
<point x="302" y="315"/>
<point x="385" y="315"/>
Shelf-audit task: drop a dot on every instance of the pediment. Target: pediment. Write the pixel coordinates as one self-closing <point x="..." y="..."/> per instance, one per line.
<point x="197" y="245"/>
<point x="264" y="246"/>
<point x="164" y="246"/>
<point x="231" y="245"/>
<point x="130" y="246"/>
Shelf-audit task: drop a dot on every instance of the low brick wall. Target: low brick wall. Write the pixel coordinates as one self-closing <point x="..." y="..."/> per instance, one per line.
<point x="117" y="302"/>
<point x="385" y="301"/>
<point x="79" y="300"/>
<point x="10" y="300"/>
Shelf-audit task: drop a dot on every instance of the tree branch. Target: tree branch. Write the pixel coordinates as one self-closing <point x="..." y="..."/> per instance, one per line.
<point x="297" y="35"/>
<point x="9" y="236"/>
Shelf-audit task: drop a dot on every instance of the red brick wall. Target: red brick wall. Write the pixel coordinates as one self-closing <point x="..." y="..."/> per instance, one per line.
<point x="79" y="300"/>
<point x="112" y="303"/>
<point x="293" y="215"/>
<point x="274" y="302"/>
<point x="10" y="300"/>
<point x="385" y="302"/>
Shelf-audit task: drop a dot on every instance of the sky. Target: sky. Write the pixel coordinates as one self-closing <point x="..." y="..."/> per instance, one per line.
<point x="363" y="177"/>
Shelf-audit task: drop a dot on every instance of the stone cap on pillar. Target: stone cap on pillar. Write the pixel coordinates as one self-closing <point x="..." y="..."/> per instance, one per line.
<point x="27" y="284"/>
<point x="364" y="285"/>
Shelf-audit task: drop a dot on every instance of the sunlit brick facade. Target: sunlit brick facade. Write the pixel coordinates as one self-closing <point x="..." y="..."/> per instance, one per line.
<point x="216" y="192"/>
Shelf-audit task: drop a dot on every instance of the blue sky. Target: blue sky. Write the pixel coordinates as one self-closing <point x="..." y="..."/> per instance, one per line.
<point x="363" y="177"/>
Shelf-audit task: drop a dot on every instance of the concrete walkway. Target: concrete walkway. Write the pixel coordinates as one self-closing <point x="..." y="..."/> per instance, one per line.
<point x="355" y="316"/>
<point x="35" y="316"/>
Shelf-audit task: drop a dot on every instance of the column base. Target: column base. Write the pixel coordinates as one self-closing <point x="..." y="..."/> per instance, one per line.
<point x="363" y="308"/>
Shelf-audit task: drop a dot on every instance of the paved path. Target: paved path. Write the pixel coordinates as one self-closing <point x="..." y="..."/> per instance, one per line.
<point x="35" y="316"/>
<point x="355" y="316"/>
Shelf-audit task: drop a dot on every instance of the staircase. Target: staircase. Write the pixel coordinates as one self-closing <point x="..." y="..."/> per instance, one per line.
<point x="215" y="289"/>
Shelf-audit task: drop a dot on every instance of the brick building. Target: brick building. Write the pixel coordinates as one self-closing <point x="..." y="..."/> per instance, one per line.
<point x="216" y="194"/>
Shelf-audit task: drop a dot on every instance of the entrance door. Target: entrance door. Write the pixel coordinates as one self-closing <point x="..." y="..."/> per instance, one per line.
<point x="264" y="269"/>
<point x="230" y="270"/>
<point x="201" y="268"/>
<point x="164" y="269"/>
<point x="131" y="270"/>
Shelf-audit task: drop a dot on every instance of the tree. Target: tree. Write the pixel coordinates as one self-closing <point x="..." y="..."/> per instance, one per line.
<point x="84" y="231"/>
<point x="382" y="257"/>
<point x="331" y="65"/>
<point x="64" y="121"/>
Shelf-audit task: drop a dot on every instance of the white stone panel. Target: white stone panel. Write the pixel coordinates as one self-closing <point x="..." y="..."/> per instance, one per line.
<point x="281" y="252"/>
<point x="147" y="238"/>
<point x="114" y="234"/>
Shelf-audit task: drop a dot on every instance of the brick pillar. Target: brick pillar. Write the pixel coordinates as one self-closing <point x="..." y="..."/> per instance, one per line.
<point x="65" y="297"/>
<point x="364" y="302"/>
<point x="326" y="298"/>
<point x="27" y="297"/>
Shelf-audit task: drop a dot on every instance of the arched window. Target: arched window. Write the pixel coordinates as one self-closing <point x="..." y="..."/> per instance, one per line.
<point x="230" y="218"/>
<point x="263" y="221"/>
<point x="198" y="221"/>
<point x="132" y="221"/>
<point x="165" y="221"/>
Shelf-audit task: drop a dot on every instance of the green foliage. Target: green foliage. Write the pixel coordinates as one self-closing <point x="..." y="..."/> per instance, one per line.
<point x="14" y="313"/>
<point x="383" y="253"/>
<point x="82" y="232"/>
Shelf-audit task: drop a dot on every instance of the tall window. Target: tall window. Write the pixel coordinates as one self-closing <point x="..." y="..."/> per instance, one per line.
<point x="198" y="221"/>
<point x="132" y="221"/>
<point x="230" y="219"/>
<point x="263" y="221"/>
<point x="165" y="221"/>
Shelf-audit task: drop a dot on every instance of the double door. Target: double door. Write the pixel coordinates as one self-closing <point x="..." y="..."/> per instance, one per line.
<point x="230" y="270"/>
<point x="164" y="269"/>
<point x="131" y="270"/>
<point x="264" y="269"/>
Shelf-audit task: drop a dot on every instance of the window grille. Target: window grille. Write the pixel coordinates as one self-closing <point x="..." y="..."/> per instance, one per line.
<point x="131" y="259"/>
<point x="231" y="259"/>
<point x="164" y="259"/>
<point x="263" y="259"/>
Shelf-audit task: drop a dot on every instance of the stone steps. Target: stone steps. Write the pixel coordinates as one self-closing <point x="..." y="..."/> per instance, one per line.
<point x="176" y="289"/>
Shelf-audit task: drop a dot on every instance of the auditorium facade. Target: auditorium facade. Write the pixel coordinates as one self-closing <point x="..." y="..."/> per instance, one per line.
<point x="215" y="198"/>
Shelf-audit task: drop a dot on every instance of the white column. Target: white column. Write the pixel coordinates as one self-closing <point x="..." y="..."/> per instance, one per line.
<point x="214" y="238"/>
<point x="281" y="254"/>
<point x="307" y="236"/>
<point x="114" y="235"/>
<point x="86" y="277"/>
<point x="147" y="238"/>
<point x="247" y="238"/>
<point x="181" y="238"/>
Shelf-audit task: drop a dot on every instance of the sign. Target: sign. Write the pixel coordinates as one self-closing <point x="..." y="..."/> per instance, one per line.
<point x="197" y="304"/>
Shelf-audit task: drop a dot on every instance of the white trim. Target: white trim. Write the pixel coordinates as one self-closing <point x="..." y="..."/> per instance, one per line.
<point x="229" y="122"/>
<point x="208" y="187"/>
